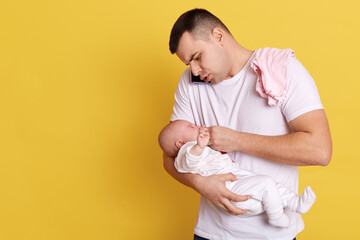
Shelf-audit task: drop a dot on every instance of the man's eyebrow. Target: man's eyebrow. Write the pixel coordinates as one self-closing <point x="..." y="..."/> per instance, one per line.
<point x="191" y="58"/>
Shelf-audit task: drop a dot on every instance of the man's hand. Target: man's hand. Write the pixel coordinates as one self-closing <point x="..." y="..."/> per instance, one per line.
<point x="223" y="139"/>
<point x="213" y="189"/>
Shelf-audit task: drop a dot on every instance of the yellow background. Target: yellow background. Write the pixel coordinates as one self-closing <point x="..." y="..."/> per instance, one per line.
<point x="85" y="87"/>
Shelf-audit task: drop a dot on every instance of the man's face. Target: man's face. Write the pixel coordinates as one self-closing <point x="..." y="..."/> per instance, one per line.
<point x="206" y="58"/>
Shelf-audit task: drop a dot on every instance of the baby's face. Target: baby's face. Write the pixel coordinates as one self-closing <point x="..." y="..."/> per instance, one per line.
<point x="188" y="131"/>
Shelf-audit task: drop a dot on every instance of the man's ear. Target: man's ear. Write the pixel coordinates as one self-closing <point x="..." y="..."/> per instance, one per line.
<point x="218" y="35"/>
<point x="179" y="143"/>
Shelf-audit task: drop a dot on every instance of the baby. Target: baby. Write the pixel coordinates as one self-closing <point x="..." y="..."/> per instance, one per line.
<point x="189" y="143"/>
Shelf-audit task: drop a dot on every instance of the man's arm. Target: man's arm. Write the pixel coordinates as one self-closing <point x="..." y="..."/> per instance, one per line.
<point x="211" y="187"/>
<point x="309" y="143"/>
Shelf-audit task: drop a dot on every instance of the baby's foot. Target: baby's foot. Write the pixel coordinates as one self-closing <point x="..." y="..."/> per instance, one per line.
<point x="305" y="201"/>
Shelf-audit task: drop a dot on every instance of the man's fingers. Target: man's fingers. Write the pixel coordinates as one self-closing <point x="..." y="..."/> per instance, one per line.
<point x="229" y="177"/>
<point x="238" y="198"/>
<point x="224" y="207"/>
<point x="220" y="205"/>
<point x="230" y="208"/>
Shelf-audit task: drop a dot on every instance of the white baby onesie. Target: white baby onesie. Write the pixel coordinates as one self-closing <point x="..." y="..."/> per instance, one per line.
<point x="266" y="195"/>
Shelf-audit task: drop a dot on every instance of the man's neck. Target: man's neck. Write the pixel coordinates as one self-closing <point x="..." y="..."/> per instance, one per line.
<point x="239" y="56"/>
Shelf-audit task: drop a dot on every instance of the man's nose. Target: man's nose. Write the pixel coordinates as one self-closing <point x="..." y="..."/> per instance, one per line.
<point x="195" y="68"/>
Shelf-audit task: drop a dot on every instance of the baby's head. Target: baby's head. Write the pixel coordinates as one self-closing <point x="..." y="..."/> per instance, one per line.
<point x="176" y="134"/>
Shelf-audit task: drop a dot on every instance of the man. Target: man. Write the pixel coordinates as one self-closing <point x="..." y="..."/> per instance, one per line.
<point x="266" y="140"/>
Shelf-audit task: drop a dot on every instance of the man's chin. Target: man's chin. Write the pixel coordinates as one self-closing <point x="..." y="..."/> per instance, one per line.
<point x="213" y="82"/>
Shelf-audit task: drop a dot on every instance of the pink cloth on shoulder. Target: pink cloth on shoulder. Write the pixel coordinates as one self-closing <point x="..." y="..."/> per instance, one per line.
<point x="270" y="65"/>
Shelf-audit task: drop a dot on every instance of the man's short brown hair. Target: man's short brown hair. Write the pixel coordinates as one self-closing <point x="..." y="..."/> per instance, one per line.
<point x="199" y="22"/>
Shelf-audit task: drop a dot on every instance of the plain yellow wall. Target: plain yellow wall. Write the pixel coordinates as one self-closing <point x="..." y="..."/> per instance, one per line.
<point x="87" y="85"/>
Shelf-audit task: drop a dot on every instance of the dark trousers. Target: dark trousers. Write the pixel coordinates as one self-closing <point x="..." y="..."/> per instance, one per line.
<point x="196" y="237"/>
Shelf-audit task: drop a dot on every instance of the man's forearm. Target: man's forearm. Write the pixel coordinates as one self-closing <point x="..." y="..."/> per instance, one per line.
<point x="212" y="187"/>
<point x="298" y="148"/>
<point x="309" y="143"/>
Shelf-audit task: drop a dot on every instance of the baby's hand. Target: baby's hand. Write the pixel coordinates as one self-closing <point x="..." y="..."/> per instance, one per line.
<point x="204" y="137"/>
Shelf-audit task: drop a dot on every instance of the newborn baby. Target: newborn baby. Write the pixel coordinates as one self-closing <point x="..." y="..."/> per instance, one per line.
<point x="189" y="143"/>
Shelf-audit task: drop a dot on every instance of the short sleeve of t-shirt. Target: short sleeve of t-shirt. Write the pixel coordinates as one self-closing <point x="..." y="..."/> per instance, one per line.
<point x="301" y="92"/>
<point x="182" y="107"/>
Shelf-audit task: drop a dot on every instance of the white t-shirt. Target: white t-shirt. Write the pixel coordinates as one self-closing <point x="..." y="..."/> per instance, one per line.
<point x="234" y="103"/>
